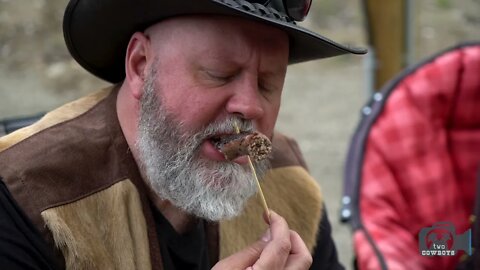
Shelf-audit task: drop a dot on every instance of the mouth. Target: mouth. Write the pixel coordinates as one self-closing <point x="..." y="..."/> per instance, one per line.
<point x="233" y="146"/>
<point x="211" y="148"/>
<point x="220" y="140"/>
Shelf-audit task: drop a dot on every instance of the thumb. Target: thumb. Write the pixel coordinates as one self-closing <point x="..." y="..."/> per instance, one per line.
<point x="245" y="257"/>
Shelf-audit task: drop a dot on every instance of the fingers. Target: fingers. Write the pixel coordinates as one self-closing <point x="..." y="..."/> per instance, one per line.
<point x="300" y="257"/>
<point x="275" y="254"/>
<point x="279" y="248"/>
<point x="266" y="217"/>
<point x="244" y="258"/>
<point x="285" y="250"/>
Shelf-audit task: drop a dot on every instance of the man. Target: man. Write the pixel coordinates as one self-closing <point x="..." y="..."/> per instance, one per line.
<point x="128" y="177"/>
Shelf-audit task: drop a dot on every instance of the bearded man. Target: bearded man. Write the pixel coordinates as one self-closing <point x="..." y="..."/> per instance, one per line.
<point x="130" y="178"/>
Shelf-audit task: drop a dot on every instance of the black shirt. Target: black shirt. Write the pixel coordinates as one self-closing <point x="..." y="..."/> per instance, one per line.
<point x="182" y="251"/>
<point x="21" y="246"/>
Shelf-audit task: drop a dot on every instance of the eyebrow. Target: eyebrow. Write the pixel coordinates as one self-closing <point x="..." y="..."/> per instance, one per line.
<point x="275" y="73"/>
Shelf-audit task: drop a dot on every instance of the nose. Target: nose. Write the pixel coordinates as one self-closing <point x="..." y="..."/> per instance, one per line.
<point x="246" y="101"/>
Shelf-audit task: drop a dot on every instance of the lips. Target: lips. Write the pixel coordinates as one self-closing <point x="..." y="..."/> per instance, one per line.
<point x="210" y="151"/>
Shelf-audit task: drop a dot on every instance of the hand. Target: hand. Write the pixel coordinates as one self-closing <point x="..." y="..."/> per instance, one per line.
<point x="279" y="248"/>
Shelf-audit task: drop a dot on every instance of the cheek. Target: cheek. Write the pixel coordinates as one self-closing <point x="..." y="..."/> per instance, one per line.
<point x="267" y="123"/>
<point x="195" y="111"/>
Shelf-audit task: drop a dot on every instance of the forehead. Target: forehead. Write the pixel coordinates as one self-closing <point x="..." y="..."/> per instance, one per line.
<point x="216" y="31"/>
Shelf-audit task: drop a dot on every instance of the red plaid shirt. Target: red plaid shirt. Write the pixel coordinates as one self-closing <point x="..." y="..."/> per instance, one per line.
<point x="421" y="160"/>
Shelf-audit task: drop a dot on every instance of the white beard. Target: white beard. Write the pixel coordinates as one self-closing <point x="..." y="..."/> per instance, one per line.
<point x="171" y="164"/>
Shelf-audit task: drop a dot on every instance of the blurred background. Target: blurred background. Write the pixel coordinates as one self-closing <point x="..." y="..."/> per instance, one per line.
<point x="322" y="99"/>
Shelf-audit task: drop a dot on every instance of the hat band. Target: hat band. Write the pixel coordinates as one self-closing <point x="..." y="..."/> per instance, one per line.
<point x="257" y="9"/>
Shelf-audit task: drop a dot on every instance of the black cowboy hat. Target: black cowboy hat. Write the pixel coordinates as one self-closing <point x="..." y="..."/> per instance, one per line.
<point x="97" y="32"/>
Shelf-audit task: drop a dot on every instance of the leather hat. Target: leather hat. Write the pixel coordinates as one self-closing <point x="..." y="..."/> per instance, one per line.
<point x="97" y="32"/>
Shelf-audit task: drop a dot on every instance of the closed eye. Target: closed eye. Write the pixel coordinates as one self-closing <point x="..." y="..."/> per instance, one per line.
<point x="219" y="76"/>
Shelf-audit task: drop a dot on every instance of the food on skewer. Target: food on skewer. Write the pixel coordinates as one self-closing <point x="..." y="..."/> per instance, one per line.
<point x="255" y="145"/>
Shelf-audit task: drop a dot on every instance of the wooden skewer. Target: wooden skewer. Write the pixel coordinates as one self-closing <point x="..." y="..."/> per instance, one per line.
<point x="262" y="197"/>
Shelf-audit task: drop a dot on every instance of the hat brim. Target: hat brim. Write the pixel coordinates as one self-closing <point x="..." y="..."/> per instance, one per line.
<point x="97" y="32"/>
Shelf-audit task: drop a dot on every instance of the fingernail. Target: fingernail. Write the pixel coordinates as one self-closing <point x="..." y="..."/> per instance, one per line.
<point x="266" y="236"/>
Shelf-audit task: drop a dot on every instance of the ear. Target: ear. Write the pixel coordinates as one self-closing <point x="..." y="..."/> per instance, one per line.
<point x="136" y="63"/>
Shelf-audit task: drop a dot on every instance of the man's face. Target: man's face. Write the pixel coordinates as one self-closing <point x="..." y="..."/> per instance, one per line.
<point x="207" y="73"/>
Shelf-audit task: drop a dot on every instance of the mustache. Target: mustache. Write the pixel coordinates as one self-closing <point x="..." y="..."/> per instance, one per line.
<point x="225" y="126"/>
